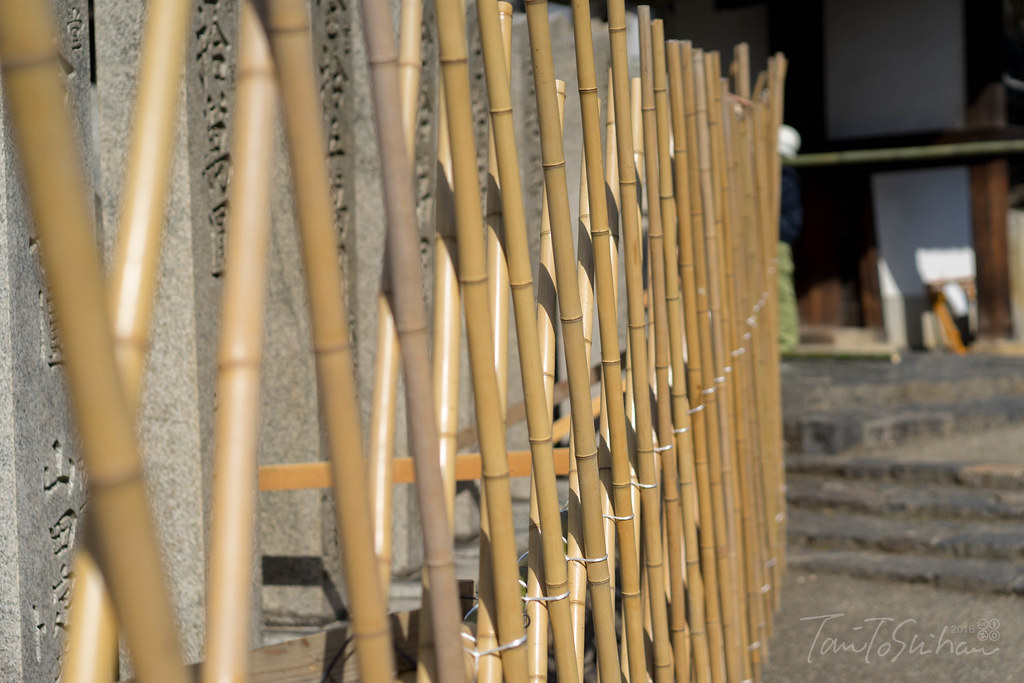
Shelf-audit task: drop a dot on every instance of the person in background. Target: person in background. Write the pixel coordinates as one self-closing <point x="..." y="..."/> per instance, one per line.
<point x="791" y="220"/>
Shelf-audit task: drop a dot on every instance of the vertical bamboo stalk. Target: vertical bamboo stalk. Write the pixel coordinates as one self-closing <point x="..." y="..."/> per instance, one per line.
<point x="126" y="544"/>
<point x="411" y="323"/>
<point x="695" y="297"/>
<point x="288" y="27"/>
<point x="240" y="359"/>
<point x="473" y="278"/>
<point x="536" y="580"/>
<point x="385" y="386"/>
<point x="649" y="503"/>
<point x="658" y="225"/>
<point x="605" y="262"/>
<point x="92" y="636"/>
<point x="571" y="317"/>
<point x="671" y="199"/>
<point x="446" y="363"/>
<point x="732" y="381"/>
<point x="489" y="666"/>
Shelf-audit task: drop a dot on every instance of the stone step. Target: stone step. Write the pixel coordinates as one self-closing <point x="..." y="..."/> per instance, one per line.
<point x="827" y="530"/>
<point x="816" y="432"/>
<point x="923" y="378"/>
<point x="961" y="574"/>
<point x="996" y="475"/>
<point x="896" y="499"/>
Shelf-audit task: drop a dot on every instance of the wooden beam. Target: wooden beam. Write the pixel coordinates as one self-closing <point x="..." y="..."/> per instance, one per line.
<point x="317" y="475"/>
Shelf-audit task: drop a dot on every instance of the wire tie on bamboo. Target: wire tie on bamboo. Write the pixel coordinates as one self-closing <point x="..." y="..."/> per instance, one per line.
<point x="477" y="654"/>
<point x="727" y="369"/>
<point x="662" y="449"/>
<point x="624" y="518"/>
<point x="681" y="430"/>
<point x="643" y="486"/>
<point x="708" y="391"/>
<point x="780" y="516"/>
<point x="752" y="321"/>
<point x="523" y="557"/>
<point x="770" y="563"/>
<point x="699" y="408"/>
<point x="586" y="560"/>
<point x="472" y="610"/>
<point x="766" y="588"/>
<point x="754" y="645"/>
<point x="739" y="352"/>
<point x="545" y="598"/>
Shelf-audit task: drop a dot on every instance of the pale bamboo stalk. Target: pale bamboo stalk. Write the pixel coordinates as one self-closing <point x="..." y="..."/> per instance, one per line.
<point x="766" y="238"/>
<point x="659" y="213"/>
<point x="604" y="262"/>
<point x="695" y="297"/>
<point x="447" y="339"/>
<point x="385" y="386"/>
<point x="239" y="361"/>
<point x="744" y="379"/>
<point x="126" y="546"/>
<point x="639" y="154"/>
<point x="489" y="666"/>
<point x="546" y="314"/>
<point x="91" y="643"/>
<point x="411" y="322"/>
<point x="288" y="28"/>
<point x="671" y="199"/>
<point x="649" y="502"/>
<point x="735" y="437"/>
<point x="725" y="342"/>
<point x="91" y="653"/>
<point x="473" y="280"/>
<point x="553" y="158"/>
<point x="718" y="439"/>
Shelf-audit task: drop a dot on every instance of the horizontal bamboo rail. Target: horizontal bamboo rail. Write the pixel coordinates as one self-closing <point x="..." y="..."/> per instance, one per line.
<point x="952" y="150"/>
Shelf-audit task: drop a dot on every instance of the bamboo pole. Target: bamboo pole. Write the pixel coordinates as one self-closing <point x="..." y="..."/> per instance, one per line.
<point x="489" y="666"/>
<point x="411" y="323"/>
<point x="711" y="320"/>
<point x="691" y="254"/>
<point x="385" y="387"/>
<point x="743" y="377"/>
<point x="520" y="277"/>
<point x="288" y="28"/>
<point x="240" y="359"/>
<point x="605" y="262"/>
<point x="546" y="314"/>
<point x="91" y="647"/>
<point x="680" y="403"/>
<point x="473" y="279"/>
<point x="649" y="503"/>
<point x="732" y="380"/>
<point x="126" y="544"/>
<point x="447" y="339"/>
<point x="679" y="629"/>
<point x="571" y="317"/>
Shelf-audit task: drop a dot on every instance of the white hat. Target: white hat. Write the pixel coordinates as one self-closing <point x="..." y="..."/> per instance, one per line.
<point x="789" y="141"/>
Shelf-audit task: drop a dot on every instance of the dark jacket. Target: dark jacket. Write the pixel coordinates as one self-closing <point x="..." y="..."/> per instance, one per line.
<point x="791" y="208"/>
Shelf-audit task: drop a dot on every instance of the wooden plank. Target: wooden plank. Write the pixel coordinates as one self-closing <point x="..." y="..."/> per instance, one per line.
<point x="317" y="475"/>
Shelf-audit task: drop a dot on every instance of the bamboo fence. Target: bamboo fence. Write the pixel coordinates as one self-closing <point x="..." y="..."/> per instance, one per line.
<point x="673" y="535"/>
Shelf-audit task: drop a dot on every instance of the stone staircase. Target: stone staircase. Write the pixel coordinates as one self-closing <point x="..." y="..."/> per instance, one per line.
<point x="910" y="472"/>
